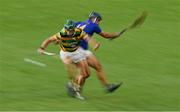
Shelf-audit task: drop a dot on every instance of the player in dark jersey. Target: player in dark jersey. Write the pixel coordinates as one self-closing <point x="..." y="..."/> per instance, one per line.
<point x="71" y="54"/>
<point x="90" y="27"/>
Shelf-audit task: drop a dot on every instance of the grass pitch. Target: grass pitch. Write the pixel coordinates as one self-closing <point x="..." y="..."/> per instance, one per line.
<point x="147" y="59"/>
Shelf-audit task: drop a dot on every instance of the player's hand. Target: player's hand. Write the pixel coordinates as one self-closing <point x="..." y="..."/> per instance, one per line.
<point x="118" y="34"/>
<point x="41" y="51"/>
<point x="96" y="46"/>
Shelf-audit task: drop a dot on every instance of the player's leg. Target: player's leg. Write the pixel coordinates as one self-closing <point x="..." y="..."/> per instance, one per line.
<point x="73" y="86"/>
<point x="80" y="79"/>
<point x="94" y="63"/>
<point x="79" y="60"/>
<point x="72" y="71"/>
<point x="84" y="72"/>
<point x="70" y="68"/>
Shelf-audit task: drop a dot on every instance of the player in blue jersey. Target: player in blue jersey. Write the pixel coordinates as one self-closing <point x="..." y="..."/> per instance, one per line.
<point x="90" y="27"/>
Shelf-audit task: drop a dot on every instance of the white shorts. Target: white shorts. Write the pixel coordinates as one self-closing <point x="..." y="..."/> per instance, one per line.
<point x="86" y="53"/>
<point x="75" y="56"/>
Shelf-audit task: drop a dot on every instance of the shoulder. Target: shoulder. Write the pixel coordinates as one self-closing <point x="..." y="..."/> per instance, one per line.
<point x="96" y="25"/>
<point x="93" y="25"/>
<point x="78" y="32"/>
<point x="80" y="24"/>
<point x="77" y="23"/>
<point x="63" y="33"/>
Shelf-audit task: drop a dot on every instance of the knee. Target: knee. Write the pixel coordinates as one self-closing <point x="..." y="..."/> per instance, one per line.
<point x="87" y="74"/>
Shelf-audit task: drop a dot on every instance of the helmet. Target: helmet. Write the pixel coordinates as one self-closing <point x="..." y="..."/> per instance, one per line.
<point x="70" y="25"/>
<point x="95" y="15"/>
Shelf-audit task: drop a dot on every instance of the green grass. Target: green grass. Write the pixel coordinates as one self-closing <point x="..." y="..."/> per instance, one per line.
<point x="147" y="59"/>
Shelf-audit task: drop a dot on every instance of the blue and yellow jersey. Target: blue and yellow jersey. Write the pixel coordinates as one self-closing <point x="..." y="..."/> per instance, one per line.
<point x="70" y="43"/>
<point x="89" y="28"/>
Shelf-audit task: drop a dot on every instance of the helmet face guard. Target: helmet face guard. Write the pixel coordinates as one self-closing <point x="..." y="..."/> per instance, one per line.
<point x="95" y="15"/>
<point x="70" y="25"/>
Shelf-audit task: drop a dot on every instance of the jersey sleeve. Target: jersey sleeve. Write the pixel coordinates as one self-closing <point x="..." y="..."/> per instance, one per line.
<point x="97" y="29"/>
<point x="58" y="36"/>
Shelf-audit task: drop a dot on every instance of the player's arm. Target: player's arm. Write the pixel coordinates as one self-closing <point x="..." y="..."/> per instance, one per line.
<point x="46" y="42"/>
<point x="92" y="42"/>
<point x="108" y="35"/>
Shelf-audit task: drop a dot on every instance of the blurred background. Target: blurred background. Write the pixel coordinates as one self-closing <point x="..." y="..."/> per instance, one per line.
<point x="146" y="59"/>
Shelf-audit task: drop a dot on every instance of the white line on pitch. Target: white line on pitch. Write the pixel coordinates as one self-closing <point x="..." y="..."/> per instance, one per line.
<point x="35" y="62"/>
